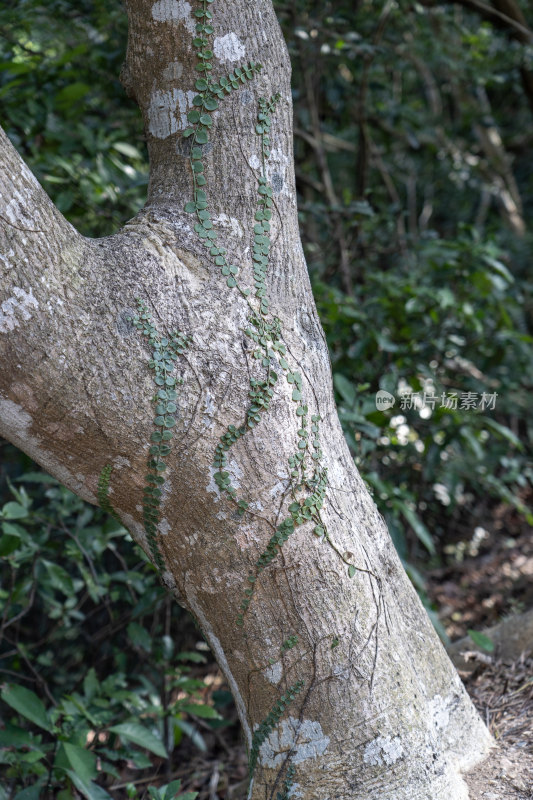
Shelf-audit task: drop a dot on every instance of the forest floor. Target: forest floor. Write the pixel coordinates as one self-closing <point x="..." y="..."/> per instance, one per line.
<point x="502" y="692"/>
<point x="483" y="583"/>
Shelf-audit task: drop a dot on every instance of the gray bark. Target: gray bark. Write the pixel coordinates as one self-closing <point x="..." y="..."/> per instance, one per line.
<point x="382" y="714"/>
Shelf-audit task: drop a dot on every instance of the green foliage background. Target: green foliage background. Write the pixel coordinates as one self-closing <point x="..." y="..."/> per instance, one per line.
<point x="414" y="167"/>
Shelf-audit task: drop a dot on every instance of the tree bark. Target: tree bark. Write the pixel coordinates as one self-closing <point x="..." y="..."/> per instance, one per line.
<point x="337" y="673"/>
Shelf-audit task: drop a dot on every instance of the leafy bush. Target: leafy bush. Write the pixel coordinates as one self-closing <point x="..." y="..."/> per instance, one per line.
<point x="66" y="111"/>
<point x="94" y="687"/>
<point x="446" y="321"/>
<point x="415" y="189"/>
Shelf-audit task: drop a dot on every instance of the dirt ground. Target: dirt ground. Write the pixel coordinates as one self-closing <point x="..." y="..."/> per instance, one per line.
<point x="486" y="581"/>
<point x="482" y="588"/>
<point x="502" y="692"/>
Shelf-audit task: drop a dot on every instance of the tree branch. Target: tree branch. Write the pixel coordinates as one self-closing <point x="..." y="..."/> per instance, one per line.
<point x="24" y="208"/>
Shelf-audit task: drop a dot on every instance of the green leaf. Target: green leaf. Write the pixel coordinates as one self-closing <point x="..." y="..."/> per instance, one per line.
<point x="90" y="684"/>
<point x="127" y="149"/>
<point x="139" y="636"/>
<point x="191" y="655"/>
<point x="418" y="526"/>
<point x="89" y="789"/>
<point x="59" y="578"/>
<point x="200" y="710"/>
<point x="32" y="792"/>
<point x="504" y="431"/>
<point x="26" y="703"/>
<point x="37" y="477"/>
<point x="14" y="510"/>
<point x="13" y="736"/>
<point x="481" y="640"/>
<point x="70" y="94"/>
<point x="190" y="207"/>
<point x="345" y="388"/>
<point x="351" y="571"/>
<point x="140" y="735"/>
<point x="81" y="761"/>
<point x="8" y="545"/>
<point x="170" y="790"/>
<point x="190" y="731"/>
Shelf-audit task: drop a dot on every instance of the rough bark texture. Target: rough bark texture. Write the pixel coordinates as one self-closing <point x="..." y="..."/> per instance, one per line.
<point x="381" y="713"/>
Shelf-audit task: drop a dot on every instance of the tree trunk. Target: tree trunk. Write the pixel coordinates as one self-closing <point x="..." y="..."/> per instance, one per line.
<point x="341" y="684"/>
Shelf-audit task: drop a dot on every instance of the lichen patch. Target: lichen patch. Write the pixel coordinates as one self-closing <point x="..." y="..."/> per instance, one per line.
<point x="173" y="71"/>
<point x="306" y="740"/>
<point x="229" y="48"/>
<point x="274" y="673"/>
<point x="383" y="750"/>
<point x="167" y="112"/>
<point x="440" y="713"/>
<point x="174" y="11"/>
<point x="246" y="537"/>
<point x="232" y="224"/>
<point x="16" y="309"/>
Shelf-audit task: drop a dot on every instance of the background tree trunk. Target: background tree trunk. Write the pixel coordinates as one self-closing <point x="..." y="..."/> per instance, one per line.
<point x="337" y="673"/>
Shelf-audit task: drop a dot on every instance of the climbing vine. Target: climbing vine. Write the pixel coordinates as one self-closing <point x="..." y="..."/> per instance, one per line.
<point x="308" y="485"/>
<point x="102" y="492"/>
<point x="201" y="121"/>
<point x="267" y="725"/>
<point x="307" y="476"/>
<point x="165" y="352"/>
<point x="288" y="783"/>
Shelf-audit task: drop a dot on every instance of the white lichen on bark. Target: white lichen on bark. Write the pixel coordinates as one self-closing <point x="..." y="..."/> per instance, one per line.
<point x="383" y="750"/>
<point x="229" y="48"/>
<point x="16" y="309"/>
<point x="304" y="739"/>
<point x="168" y="111"/>
<point x="176" y="11"/>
